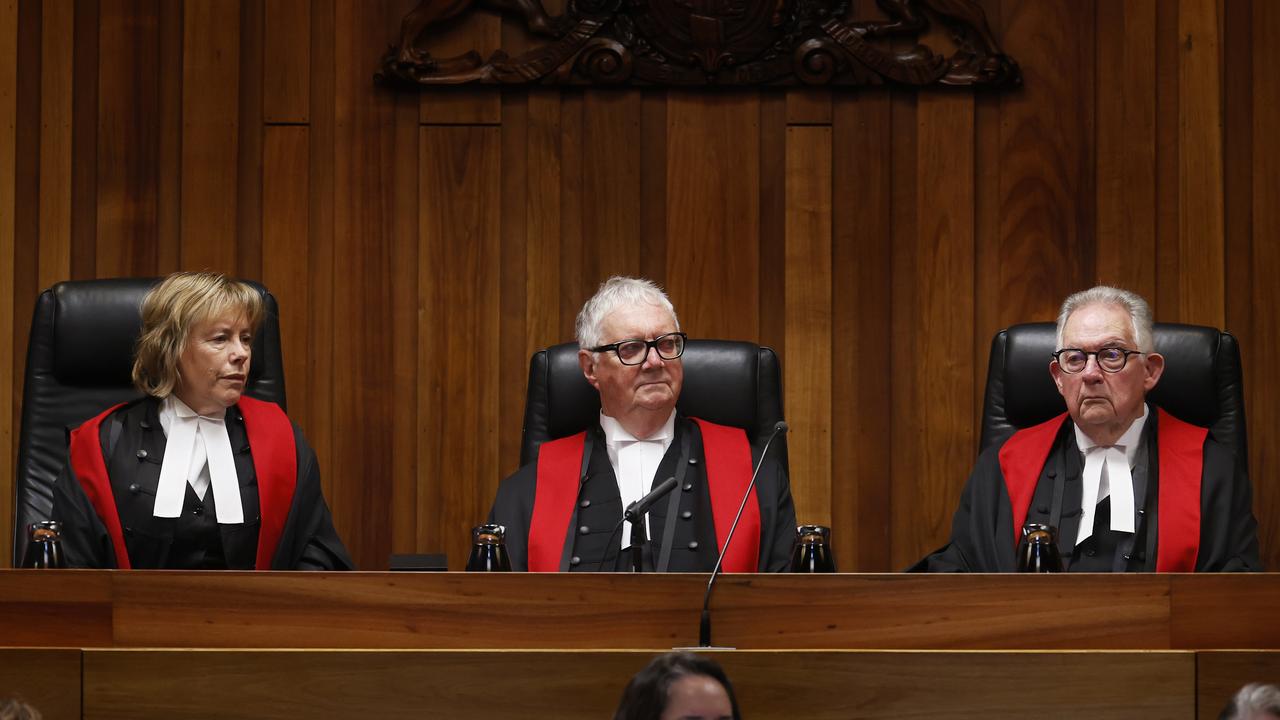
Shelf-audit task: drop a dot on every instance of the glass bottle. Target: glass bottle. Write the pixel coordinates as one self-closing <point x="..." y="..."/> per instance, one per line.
<point x="812" y="550"/>
<point x="44" y="545"/>
<point x="489" y="549"/>
<point x="1038" y="549"/>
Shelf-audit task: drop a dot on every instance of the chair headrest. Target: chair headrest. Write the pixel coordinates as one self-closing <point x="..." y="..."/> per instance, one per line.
<point x="1202" y="381"/>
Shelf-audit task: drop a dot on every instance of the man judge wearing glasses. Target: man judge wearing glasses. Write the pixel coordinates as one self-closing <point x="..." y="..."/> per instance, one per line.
<point x="1129" y="487"/>
<point x="564" y="511"/>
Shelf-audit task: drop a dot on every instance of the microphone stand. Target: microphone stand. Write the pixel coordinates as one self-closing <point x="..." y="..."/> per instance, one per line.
<point x="639" y="538"/>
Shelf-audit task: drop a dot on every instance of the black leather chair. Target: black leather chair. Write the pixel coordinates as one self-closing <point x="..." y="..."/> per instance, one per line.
<point x="1203" y="383"/>
<point x="726" y="382"/>
<point x="80" y="361"/>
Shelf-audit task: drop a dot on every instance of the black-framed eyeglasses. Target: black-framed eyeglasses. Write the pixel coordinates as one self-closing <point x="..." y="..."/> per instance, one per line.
<point x="635" y="350"/>
<point x="1112" y="360"/>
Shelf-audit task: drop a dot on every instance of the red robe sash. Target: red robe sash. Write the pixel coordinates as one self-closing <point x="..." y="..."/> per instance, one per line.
<point x="728" y="460"/>
<point x="1181" y="457"/>
<point x="275" y="460"/>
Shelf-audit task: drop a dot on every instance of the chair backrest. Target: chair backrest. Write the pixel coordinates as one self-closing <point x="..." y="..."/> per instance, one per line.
<point x="1202" y="383"/>
<point x="80" y="362"/>
<point x="727" y="382"/>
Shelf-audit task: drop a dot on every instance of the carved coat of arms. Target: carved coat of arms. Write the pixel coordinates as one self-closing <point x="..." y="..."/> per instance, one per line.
<point x="711" y="42"/>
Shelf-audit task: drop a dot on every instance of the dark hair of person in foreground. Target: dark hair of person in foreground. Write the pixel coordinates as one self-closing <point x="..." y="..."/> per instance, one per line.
<point x="649" y="694"/>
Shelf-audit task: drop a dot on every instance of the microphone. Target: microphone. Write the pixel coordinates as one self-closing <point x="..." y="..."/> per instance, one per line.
<point x="638" y="508"/>
<point x="704" y="627"/>
<point x="635" y="512"/>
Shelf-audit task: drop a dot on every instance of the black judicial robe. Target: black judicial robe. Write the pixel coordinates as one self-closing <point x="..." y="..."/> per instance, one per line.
<point x="594" y="540"/>
<point x="983" y="528"/>
<point x="195" y="540"/>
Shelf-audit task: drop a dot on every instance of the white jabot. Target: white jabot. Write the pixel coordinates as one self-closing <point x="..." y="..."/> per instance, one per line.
<point x="1107" y="472"/>
<point x="197" y="452"/>
<point x="635" y="461"/>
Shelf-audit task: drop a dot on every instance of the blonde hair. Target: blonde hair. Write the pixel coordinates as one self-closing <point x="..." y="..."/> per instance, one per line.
<point x="169" y="312"/>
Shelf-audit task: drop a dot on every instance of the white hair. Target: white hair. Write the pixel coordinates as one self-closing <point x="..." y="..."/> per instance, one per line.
<point x="1255" y="701"/>
<point x="1132" y="303"/>
<point x="614" y="293"/>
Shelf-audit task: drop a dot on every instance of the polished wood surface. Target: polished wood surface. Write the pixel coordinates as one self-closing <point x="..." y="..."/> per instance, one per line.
<point x="460" y="610"/>
<point x="45" y="679"/>
<point x="853" y="232"/>
<point x="1220" y="675"/>
<point x="822" y="685"/>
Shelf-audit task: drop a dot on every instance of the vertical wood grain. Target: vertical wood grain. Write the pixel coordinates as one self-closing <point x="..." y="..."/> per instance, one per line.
<point x="286" y="85"/>
<point x="286" y="258"/>
<point x="249" y="130"/>
<point x="1046" y="184"/>
<point x="941" y="279"/>
<point x="478" y="31"/>
<point x="128" y="137"/>
<point x="512" y="272"/>
<point x="573" y="289"/>
<point x="84" y="139"/>
<point x="861" y="310"/>
<point x="653" y="184"/>
<point x="713" y="191"/>
<point x="807" y="366"/>
<point x="809" y="106"/>
<point x="1126" y="147"/>
<point x="169" y="194"/>
<point x="8" y="160"/>
<point x="408" y="321"/>
<point x="210" y="134"/>
<point x="773" y="222"/>
<point x="1262" y="343"/>
<point x="56" y="63"/>
<point x="1167" y="302"/>
<point x="458" y="279"/>
<point x="1201" y="238"/>
<point x="364" y="394"/>
<point x="543" y="214"/>
<point x="320" y="218"/>
<point x="610" y="210"/>
<point x="1237" y="171"/>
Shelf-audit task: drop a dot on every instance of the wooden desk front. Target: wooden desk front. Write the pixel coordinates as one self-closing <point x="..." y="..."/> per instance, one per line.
<point x="156" y="609"/>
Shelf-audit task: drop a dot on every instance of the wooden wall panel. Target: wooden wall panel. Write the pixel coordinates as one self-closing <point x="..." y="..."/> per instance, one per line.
<point x="8" y="210"/>
<point x="210" y="134"/>
<point x="861" y="292"/>
<point x="286" y="87"/>
<point x="1261" y="340"/>
<point x="128" y="137"/>
<point x="942" y="262"/>
<point x="807" y="365"/>
<point x="1202" y="297"/>
<point x="458" y="347"/>
<point x="145" y="136"/>
<point x="56" y="62"/>
<point x="1126" y="142"/>
<point x="286" y="258"/>
<point x="713" y="195"/>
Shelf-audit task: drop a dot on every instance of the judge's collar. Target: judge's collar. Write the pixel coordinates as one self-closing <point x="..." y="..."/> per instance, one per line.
<point x="1128" y="440"/>
<point x="614" y="433"/>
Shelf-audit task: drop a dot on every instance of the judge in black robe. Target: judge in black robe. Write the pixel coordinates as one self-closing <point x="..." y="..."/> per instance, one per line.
<point x="133" y="445"/>
<point x="594" y="541"/>
<point x="983" y="533"/>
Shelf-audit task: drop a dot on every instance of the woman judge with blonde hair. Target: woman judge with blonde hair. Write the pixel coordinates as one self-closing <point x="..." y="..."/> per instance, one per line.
<point x="195" y="475"/>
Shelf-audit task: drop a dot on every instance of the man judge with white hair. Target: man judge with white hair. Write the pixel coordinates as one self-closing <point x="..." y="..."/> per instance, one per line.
<point x="564" y="511"/>
<point x="1128" y="486"/>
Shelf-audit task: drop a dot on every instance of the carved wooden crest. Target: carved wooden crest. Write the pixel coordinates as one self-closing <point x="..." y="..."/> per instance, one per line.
<point x="712" y="42"/>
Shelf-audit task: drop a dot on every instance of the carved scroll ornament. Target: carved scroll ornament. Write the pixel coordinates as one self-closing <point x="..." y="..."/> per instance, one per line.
<point x="711" y="42"/>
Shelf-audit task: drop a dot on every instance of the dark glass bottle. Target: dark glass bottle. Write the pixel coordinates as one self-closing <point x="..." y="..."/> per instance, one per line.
<point x="44" y="545"/>
<point x="812" y="551"/>
<point x="489" y="549"/>
<point x="1038" y="549"/>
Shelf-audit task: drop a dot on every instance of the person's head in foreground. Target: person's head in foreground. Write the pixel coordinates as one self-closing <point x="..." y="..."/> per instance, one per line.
<point x="1255" y="701"/>
<point x="679" y="686"/>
